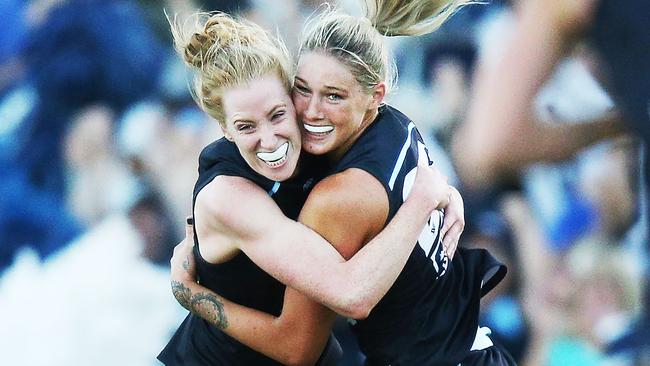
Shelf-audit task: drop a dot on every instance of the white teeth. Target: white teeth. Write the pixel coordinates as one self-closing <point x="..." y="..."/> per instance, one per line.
<point x="276" y="155"/>
<point x="318" y="129"/>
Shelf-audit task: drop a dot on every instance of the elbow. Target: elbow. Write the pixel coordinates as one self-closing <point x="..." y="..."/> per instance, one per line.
<point x="361" y="314"/>
<point x="357" y="308"/>
<point x="351" y="298"/>
<point x="361" y="310"/>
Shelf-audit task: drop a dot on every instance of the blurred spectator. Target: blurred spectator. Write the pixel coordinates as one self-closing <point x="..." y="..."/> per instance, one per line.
<point x="13" y="31"/>
<point x="73" y="57"/>
<point x="448" y="68"/>
<point x="99" y="301"/>
<point x="74" y="61"/>
<point x="98" y="183"/>
<point x="576" y="302"/>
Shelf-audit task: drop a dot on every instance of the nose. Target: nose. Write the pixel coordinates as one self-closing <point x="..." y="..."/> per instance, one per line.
<point x="268" y="136"/>
<point x="313" y="111"/>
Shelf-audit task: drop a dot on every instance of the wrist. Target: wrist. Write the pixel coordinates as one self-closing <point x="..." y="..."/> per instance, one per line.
<point x="184" y="278"/>
<point x="182" y="294"/>
<point x="424" y="205"/>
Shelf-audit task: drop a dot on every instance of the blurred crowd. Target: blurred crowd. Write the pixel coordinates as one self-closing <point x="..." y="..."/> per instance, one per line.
<point x="99" y="139"/>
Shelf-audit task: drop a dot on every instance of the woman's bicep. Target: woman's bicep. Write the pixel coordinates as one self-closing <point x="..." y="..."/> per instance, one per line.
<point x="347" y="210"/>
<point x="295" y="255"/>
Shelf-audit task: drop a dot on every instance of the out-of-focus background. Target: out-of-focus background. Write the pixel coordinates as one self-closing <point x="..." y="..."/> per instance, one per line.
<point x="99" y="139"/>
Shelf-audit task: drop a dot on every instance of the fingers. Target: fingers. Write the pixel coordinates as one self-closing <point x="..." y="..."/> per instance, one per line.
<point x="454" y="222"/>
<point x="447" y="200"/>
<point x="189" y="229"/>
<point x="454" y="212"/>
<point x="182" y="261"/>
<point x="447" y="224"/>
<point x="451" y="239"/>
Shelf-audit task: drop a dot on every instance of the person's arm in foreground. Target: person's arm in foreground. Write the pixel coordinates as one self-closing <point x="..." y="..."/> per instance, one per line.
<point x="501" y="133"/>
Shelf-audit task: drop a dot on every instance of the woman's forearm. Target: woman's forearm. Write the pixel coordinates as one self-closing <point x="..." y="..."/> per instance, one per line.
<point x="258" y="330"/>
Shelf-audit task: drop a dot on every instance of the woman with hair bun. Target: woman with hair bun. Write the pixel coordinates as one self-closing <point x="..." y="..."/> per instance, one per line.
<point x="248" y="181"/>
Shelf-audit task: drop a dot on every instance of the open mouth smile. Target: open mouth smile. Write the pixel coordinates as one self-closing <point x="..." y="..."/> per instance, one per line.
<point x="275" y="158"/>
<point x="318" y="130"/>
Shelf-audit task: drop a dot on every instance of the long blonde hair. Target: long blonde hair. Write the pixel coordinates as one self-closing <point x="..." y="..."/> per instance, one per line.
<point x="226" y="52"/>
<point x="357" y="41"/>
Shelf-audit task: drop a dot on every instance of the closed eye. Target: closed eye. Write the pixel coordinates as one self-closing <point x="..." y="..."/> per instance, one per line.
<point x="277" y="115"/>
<point x="301" y="89"/>
<point x="244" y="128"/>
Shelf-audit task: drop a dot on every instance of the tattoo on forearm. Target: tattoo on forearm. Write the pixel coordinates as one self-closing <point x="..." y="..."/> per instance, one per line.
<point x="210" y="308"/>
<point x="186" y="264"/>
<point x="182" y="294"/>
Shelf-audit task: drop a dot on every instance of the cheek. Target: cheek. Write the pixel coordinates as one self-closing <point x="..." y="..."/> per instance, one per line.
<point x="300" y="103"/>
<point x="245" y="144"/>
<point x="338" y="114"/>
<point x="290" y="128"/>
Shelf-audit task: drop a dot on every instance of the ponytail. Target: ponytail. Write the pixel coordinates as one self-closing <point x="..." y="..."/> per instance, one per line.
<point x="410" y="18"/>
<point x="358" y="43"/>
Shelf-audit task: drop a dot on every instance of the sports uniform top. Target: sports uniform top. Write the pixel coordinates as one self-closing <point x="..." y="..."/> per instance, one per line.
<point x="621" y="35"/>
<point x="430" y="314"/>
<point x="197" y="342"/>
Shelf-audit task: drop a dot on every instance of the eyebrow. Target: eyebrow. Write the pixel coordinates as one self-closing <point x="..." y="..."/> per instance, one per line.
<point x="241" y="120"/>
<point x="328" y="87"/>
<point x="276" y="107"/>
<point x="246" y="119"/>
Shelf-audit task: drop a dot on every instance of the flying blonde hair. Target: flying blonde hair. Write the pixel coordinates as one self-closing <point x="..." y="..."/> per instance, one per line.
<point x="358" y="41"/>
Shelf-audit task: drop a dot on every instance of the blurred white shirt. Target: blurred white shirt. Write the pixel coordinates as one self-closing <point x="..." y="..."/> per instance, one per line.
<point x="97" y="302"/>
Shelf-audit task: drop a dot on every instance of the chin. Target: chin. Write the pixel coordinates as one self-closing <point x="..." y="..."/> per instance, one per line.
<point x="316" y="148"/>
<point x="275" y="175"/>
<point x="280" y="175"/>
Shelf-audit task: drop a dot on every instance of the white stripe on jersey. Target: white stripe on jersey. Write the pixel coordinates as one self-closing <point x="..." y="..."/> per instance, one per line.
<point x="275" y="188"/>
<point x="402" y="156"/>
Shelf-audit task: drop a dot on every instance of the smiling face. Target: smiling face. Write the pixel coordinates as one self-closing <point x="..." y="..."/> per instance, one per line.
<point x="332" y="106"/>
<point x="261" y="121"/>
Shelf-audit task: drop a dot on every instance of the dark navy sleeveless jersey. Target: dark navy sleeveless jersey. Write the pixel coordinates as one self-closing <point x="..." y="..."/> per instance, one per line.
<point x="621" y="36"/>
<point x="197" y="342"/>
<point x="430" y="315"/>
